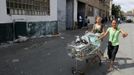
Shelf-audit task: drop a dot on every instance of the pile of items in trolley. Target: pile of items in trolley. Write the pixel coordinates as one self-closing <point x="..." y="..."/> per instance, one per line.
<point x="84" y="47"/>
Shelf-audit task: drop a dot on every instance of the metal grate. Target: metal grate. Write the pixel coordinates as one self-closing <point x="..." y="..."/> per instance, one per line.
<point x="28" y="7"/>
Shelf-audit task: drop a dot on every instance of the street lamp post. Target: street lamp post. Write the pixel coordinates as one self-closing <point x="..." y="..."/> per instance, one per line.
<point x="110" y="10"/>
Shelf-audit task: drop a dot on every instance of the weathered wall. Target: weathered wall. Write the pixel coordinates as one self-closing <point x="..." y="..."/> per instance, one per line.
<point x="8" y="19"/>
<point x="98" y="5"/>
<point x="34" y="25"/>
<point x="70" y="14"/>
<point x="75" y="10"/>
<point x="42" y="28"/>
<point x="61" y="14"/>
<point x="4" y="18"/>
<point x="6" y="32"/>
<point x="96" y="12"/>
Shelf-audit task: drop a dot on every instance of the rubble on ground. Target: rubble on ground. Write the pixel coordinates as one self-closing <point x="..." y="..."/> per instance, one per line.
<point x="21" y="39"/>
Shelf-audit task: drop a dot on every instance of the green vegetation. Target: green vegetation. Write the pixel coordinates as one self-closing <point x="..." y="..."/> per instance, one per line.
<point x="116" y="11"/>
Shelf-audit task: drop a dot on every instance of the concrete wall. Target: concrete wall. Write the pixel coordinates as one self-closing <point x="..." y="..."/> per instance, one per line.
<point x="61" y="14"/>
<point x="96" y="12"/>
<point x="6" y="32"/>
<point x="81" y="9"/>
<point x="75" y="10"/>
<point x="70" y="14"/>
<point x="92" y="19"/>
<point x="98" y="4"/>
<point x="33" y="25"/>
<point x="7" y="19"/>
<point x="4" y="18"/>
<point x="42" y="28"/>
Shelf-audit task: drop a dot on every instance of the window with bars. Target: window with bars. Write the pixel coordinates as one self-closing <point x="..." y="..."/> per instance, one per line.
<point x="28" y="7"/>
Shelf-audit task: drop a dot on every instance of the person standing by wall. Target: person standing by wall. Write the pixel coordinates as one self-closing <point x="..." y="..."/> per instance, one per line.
<point x="87" y="21"/>
<point x="80" y="22"/>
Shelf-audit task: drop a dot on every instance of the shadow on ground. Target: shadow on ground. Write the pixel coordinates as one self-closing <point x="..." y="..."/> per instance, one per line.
<point x="95" y="69"/>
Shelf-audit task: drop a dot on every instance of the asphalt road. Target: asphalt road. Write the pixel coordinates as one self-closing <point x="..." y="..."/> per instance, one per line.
<point x="48" y="56"/>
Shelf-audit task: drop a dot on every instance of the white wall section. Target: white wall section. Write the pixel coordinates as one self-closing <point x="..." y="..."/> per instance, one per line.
<point x="4" y="18"/>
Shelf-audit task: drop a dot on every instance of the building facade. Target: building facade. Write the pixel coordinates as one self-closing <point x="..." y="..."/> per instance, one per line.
<point x="95" y="8"/>
<point x="30" y="18"/>
<point x="89" y="8"/>
<point x="42" y="17"/>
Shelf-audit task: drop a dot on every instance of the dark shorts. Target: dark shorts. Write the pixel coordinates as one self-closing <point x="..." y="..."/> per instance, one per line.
<point x="112" y="51"/>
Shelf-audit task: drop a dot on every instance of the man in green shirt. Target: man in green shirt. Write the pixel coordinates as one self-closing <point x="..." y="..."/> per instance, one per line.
<point x="113" y="43"/>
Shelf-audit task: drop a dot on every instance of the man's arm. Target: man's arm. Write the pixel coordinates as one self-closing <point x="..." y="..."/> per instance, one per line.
<point x="103" y="31"/>
<point x="104" y="35"/>
<point x="92" y="30"/>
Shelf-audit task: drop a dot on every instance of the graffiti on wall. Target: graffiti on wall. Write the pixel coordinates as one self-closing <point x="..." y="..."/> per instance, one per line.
<point x="42" y="28"/>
